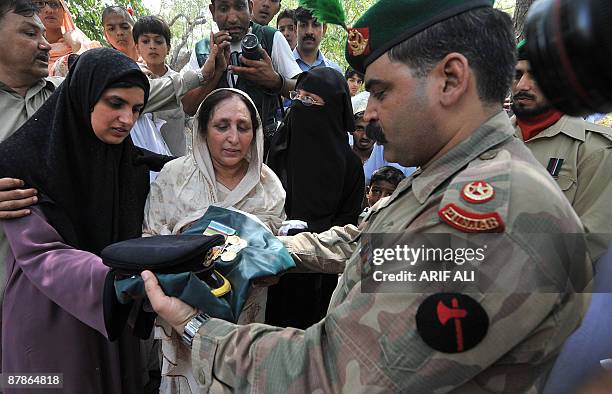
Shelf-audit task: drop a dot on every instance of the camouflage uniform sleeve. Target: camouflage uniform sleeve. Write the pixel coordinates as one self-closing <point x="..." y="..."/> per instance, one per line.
<point x="325" y="252"/>
<point x="593" y="200"/>
<point x="369" y="343"/>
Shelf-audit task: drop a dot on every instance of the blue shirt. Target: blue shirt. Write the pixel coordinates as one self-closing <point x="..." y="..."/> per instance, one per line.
<point x="321" y="61"/>
<point x="377" y="161"/>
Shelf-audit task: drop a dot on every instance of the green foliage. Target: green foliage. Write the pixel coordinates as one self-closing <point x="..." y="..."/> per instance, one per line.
<point x="87" y="15"/>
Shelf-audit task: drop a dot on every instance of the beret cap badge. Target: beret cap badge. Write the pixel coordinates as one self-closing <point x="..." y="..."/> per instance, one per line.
<point x="358" y="41"/>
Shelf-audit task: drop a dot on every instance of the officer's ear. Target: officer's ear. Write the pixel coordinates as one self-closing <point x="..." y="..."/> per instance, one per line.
<point x="454" y="76"/>
<point x="251" y="7"/>
<point x="324" y="29"/>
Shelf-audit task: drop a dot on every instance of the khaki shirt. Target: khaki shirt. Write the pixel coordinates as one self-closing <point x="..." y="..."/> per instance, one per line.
<point x="368" y="342"/>
<point x="585" y="174"/>
<point x="165" y="93"/>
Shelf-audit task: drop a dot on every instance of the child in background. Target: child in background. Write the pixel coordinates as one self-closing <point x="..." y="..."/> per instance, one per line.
<point x="354" y="80"/>
<point x="118" y="24"/>
<point x="152" y="37"/>
<point x="383" y="183"/>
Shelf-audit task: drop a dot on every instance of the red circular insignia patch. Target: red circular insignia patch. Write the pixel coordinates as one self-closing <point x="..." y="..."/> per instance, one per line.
<point x="478" y="192"/>
<point x="451" y="322"/>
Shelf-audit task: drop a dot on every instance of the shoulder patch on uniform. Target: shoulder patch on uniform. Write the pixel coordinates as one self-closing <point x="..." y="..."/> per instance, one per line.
<point x="478" y="192"/>
<point x="476" y="200"/>
<point x="471" y="222"/>
<point x="451" y="322"/>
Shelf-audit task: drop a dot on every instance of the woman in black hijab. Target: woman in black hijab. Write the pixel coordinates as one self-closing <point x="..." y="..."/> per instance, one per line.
<point x="324" y="182"/>
<point x="77" y="153"/>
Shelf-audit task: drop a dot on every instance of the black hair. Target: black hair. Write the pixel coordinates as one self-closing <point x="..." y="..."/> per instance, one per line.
<point x="21" y="7"/>
<point x="388" y="174"/>
<point x="213" y="101"/>
<point x="72" y="58"/>
<point x="483" y="35"/>
<point x="116" y="10"/>
<point x="303" y="15"/>
<point x="351" y="72"/>
<point x="151" y="25"/>
<point x="287" y="13"/>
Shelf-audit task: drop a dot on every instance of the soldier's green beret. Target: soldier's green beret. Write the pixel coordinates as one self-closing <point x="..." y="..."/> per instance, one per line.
<point x="389" y="22"/>
<point x="521" y="50"/>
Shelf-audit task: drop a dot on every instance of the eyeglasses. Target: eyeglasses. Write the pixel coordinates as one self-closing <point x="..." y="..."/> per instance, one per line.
<point x="54" y="5"/>
<point x="306" y="100"/>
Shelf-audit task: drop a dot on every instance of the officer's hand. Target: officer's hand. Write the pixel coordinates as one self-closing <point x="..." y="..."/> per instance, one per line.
<point x="171" y="309"/>
<point x="259" y="71"/>
<point x="13" y="200"/>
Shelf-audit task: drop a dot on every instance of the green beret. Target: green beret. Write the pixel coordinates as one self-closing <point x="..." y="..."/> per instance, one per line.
<point x="521" y="50"/>
<point x="389" y="22"/>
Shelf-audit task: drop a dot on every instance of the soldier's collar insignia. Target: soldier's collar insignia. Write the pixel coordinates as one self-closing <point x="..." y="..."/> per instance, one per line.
<point x="451" y="322"/>
<point x="359" y="41"/>
<point x="471" y="222"/>
<point x="478" y="192"/>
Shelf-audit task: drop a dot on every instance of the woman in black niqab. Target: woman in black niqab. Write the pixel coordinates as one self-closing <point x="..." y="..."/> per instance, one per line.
<point x="325" y="185"/>
<point x="92" y="194"/>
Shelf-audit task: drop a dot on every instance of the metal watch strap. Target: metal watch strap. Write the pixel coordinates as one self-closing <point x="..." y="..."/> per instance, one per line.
<point x="192" y="327"/>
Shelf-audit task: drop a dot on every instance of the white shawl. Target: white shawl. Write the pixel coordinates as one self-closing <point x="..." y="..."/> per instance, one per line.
<point x="187" y="186"/>
<point x="181" y="194"/>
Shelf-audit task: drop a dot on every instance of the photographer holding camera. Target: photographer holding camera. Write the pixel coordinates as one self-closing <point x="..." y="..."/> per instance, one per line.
<point x="259" y="60"/>
<point x="577" y="154"/>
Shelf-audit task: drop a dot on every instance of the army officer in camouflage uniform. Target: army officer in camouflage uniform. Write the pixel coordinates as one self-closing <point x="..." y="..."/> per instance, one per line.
<point x="440" y="109"/>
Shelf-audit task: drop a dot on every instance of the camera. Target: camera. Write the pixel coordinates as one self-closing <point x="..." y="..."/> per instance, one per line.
<point x="249" y="46"/>
<point x="569" y="47"/>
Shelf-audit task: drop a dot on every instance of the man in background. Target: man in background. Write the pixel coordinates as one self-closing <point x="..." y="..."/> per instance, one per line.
<point x="576" y="153"/>
<point x="310" y="32"/>
<point x="265" y="10"/>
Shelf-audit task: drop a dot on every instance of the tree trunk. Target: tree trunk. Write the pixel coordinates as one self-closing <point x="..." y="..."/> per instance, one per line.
<point x="520" y="16"/>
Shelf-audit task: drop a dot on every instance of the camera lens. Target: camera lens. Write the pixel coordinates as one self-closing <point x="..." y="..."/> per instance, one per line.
<point x="250" y="42"/>
<point x="569" y="45"/>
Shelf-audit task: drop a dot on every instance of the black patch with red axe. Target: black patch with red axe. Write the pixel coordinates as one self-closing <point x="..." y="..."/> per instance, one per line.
<point x="451" y="322"/>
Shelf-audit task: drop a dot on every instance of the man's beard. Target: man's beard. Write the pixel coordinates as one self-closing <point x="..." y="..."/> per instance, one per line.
<point x="525" y="113"/>
<point x="375" y="132"/>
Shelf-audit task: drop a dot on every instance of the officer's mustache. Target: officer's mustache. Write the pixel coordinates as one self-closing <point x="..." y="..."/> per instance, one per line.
<point x="308" y="37"/>
<point x="375" y="132"/>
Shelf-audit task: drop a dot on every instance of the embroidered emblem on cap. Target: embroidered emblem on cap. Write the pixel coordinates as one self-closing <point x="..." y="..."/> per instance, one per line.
<point x="478" y="192"/>
<point x="359" y="41"/>
<point x="451" y="322"/>
<point x="471" y="222"/>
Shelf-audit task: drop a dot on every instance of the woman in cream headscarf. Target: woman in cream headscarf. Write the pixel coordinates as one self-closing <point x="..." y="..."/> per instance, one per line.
<point x="63" y="35"/>
<point x="226" y="170"/>
<point x="187" y="186"/>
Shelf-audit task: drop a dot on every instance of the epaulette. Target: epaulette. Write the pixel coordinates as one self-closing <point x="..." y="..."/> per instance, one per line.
<point x="477" y="199"/>
<point x="601" y="130"/>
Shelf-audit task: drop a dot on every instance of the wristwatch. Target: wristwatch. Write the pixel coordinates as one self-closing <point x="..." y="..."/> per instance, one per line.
<point x="192" y="327"/>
